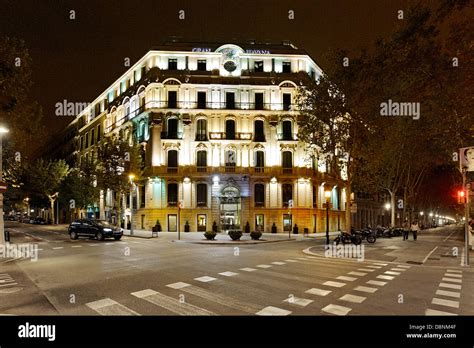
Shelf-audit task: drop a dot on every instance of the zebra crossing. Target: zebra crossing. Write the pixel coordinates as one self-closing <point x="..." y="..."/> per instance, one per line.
<point x="208" y="294"/>
<point x="448" y="294"/>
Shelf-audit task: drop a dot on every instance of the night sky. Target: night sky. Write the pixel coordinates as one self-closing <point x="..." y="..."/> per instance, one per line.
<point x="77" y="59"/>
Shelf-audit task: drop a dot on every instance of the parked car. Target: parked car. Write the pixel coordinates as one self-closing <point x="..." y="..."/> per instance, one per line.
<point x="94" y="228"/>
<point x="26" y="220"/>
<point x="10" y="218"/>
<point x="39" y="221"/>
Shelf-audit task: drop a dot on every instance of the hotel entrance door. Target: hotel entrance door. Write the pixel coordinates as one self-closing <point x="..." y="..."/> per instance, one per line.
<point x="230" y="209"/>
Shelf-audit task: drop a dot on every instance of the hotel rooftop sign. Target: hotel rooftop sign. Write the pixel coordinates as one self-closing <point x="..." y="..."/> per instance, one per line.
<point x="249" y="51"/>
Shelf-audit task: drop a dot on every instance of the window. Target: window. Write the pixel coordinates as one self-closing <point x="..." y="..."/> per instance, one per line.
<point x="172" y="99"/>
<point x="87" y="140"/>
<point x="172" y="161"/>
<point x="142" y="196"/>
<point x="172" y="128"/>
<point x="259" y="66"/>
<point x="287" y="130"/>
<point x="92" y="136"/>
<point x="312" y="74"/>
<point x="259" y="134"/>
<point x="259" y="223"/>
<point x="230" y="100"/>
<point x="286" y="67"/>
<point x="287" y="161"/>
<point x="286" y="101"/>
<point x="287" y="193"/>
<point x="201" y="193"/>
<point x="201" y="100"/>
<point x="230" y="129"/>
<point x="201" y="65"/>
<point x="259" y="161"/>
<point x="259" y="195"/>
<point x="143" y="72"/>
<point x="98" y="133"/>
<point x="172" y="194"/>
<point x="201" y="160"/>
<point x="141" y="131"/>
<point x="201" y="130"/>
<point x="127" y="110"/>
<point x="172" y="64"/>
<point x="315" y="196"/>
<point x="82" y="144"/>
<point x="258" y="101"/>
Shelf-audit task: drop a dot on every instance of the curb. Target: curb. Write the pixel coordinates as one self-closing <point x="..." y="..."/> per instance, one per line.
<point x="237" y="242"/>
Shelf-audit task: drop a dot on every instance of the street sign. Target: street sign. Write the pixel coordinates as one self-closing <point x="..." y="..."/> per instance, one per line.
<point x="466" y="158"/>
<point x="3" y="187"/>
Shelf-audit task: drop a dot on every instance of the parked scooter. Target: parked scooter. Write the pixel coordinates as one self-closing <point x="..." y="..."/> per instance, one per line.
<point x="347" y="238"/>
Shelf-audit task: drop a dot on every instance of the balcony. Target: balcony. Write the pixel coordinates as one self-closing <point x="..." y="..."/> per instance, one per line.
<point x="172" y="170"/>
<point x="259" y="169"/>
<point x="201" y="137"/>
<point x="287" y="170"/>
<point x="171" y="135"/>
<point x="287" y="136"/>
<point x="183" y="104"/>
<point x="201" y="169"/>
<point x="235" y="136"/>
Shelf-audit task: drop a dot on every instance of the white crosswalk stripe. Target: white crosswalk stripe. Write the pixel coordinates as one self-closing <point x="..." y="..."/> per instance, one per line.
<point x="366" y="269"/>
<point x="334" y="284"/>
<point x="291" y="260"/>
<point x="170" y="303"/>
<point x="319" y="292"/>
<point x="452" y="280"/>
<point x="360" y="274"/>
<point x="270" y="310"/>
<point x="349" y="279"/>
<point x="178" y="285"/>
<point x="448" y="293"/>
<point x="452" y="275"/>
<point x="366" y="289"/>
<point x="450" y="286"/>
<point x="302" y="302"/>
<point x="278" y="263"/>
<point x="353" y="298"/>
<point x="385" y="277"/>
<point x="443" y="302"/>
<point x="336" y="309"/>
<point x="108" y="306"/>
<point x="453" y="271"/>
<point x="264" y="266"/>
<point x="248" y="269"/>
<point x="404" y="266"/>
<point x="228" y="274"/>
<point x="376" y="282"/>
<point x="205" y="279"/>
<point x="392" y="273"/>
<point x="436" y="312"/>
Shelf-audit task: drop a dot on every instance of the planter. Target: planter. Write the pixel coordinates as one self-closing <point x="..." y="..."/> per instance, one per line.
<point x="255" y="235"/>
<point x="235" y="234"/>
<point x="154" y="229"/>
<point x="247" y="227"/>
<point x="186" y="227"/>
<point x="210" y="235"/>
<point x="274" y="228"/>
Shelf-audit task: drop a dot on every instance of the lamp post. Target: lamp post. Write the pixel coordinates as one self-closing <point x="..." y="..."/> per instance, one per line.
<point x="327" y="195"/>
<point x="131" y="177"/>
<point x="387" y="208"/>
<point x="3" y="130"/>
<point x="27" y="199"/>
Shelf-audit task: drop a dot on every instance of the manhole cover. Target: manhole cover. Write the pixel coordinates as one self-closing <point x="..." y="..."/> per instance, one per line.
<point x="11" y="290"/>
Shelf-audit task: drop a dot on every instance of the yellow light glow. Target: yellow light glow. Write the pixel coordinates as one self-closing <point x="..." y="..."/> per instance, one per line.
<point x="131" y="177"/>
<point x="327" y="194"/>
<point x="3" y="129"/>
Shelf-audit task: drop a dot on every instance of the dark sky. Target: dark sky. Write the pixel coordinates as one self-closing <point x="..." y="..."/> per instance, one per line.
<point x="77" y="59"/>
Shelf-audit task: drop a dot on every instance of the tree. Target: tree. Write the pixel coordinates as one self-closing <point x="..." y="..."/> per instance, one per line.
<point x="46" y="177"/>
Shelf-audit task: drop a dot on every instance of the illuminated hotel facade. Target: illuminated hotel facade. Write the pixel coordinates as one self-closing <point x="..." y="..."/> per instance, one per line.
<point x="218" y="127"/>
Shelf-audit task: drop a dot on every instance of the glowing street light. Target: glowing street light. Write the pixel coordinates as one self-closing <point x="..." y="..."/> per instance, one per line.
<point x="387" y="206"/>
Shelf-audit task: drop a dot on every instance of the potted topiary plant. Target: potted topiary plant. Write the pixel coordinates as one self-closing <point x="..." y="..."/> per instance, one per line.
<point x="255" y="235"/>
<point x="158" y="226"/>
<point x="210" y="235"/>
<point x="235" y="234"/>
<point x="274" y="228"/>
<point x="186" y="226"/>
<point x="247" y="227"/>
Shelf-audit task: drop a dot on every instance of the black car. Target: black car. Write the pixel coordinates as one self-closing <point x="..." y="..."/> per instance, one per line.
<point x="39" y="221"/>
<point x="94" y="228"/>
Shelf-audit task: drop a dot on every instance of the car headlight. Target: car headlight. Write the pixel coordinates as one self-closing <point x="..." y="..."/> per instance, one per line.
<point x="107" y="229"/>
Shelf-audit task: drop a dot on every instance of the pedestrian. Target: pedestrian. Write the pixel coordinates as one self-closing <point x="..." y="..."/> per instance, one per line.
<point x="415" y="228"/>
<point x="406" y="229"/>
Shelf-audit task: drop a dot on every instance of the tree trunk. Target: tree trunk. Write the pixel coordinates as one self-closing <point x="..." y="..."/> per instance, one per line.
<point x="51" y="201"/>
<point x="348" y="206"/>
<point x="392" y="208"/>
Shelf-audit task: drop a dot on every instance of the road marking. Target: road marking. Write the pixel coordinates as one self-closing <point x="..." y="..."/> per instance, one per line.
<point x="448" y="293"/>
<point x="270" y="310"/>
<point x="301" y="258"/>
<point x="452" y="280"/>
<point x="376" y="267"/>
<point x="366" y="289"/>
<point x="450" y="286"/>
<point x="222" y="300"/>
<point x="57" y="248"/>
<point x="435" y="312"/>
<point x="361" y="274"/>
<point x="453" y="275"/>
<point x="462" y="257"/>
<point x="248" y="269"/>
<point x="109" y="243"/>
<point x="376" y="282"/>
<point x="445" y="239"/>
<point x="93" y="245"/>
<point x="291" y="260"/>
<point x="349" y="279"/>
<point x="353" y="298"/>
<point x="9" y="284"/>
<point x="392" y="273"/>
<point x="443" y="302"/>
<point x="228" y="274"/>
<point x="398" y="269"/>
<point x="366" y="269"/>
<point x="6" y="280"/>
<point x="205" y="279"/>
<point x="319" y="292"/>
<point x="108" y="306"/>
<point x="385" y="277"/>
<point x="404" y="266"/>
<point x="311" y="257"/>
<point x="178" y="285"/>
<point x="77" y="246"/>
<point x="264" y="266"/>
<point x="278" y="263"/>
<point x="379" y="264"/>
<point x="336" y="309"/>
<point x="170" y="303"/>
<point x="453" y="271"/>
<point x="429" y="254"/>
<point x="334" y="284"/>
<point x="302" y="302"/>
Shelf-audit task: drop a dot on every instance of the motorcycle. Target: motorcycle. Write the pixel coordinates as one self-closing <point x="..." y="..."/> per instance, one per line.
<point x="347" y="238"/>
<point x="368" y="235"/>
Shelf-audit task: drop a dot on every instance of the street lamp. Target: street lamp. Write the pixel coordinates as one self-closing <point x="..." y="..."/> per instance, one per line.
<point x="3" y="130"/>
<point x="27" y="199"/>
<point x="327" y="195"/>
<point x="131" y="177"/>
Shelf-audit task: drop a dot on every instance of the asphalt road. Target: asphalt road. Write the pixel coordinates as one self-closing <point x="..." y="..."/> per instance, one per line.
<point x="138" y="276"/>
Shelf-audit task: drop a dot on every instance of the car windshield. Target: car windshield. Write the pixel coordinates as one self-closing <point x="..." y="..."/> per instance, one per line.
<point x="103" y="223"/>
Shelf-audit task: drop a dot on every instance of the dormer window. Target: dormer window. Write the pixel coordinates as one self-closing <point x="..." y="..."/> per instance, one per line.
<point x="258" y="66"/>
<point x="172" y="64"/>
<point x="286" y="67"/>
<point x="201" y="65"/>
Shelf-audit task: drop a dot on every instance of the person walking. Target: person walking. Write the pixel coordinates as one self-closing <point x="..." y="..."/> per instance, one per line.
<point x="415" y="228"/>
<point x="406" y="230"/>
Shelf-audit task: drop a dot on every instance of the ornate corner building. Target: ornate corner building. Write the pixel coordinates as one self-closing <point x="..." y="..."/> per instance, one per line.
<point x="218" y="127"/>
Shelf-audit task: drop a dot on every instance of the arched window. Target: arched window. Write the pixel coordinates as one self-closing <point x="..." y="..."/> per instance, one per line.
<point x="172" y="128"/>
<point x="287" y="130"/>
<point x="259" y="195"/>
<point x="172" y="194"/>
<point x="230" y="129"/>
<point x="259" y="133"/>
<point x="287" y="193"/>
<point x="201" y="160"/>
<point x="201" y="130"/>
<point x="287" y="161"/>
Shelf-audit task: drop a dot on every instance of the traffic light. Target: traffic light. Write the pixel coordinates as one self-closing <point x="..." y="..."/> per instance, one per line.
<point x="461" y="197"/>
